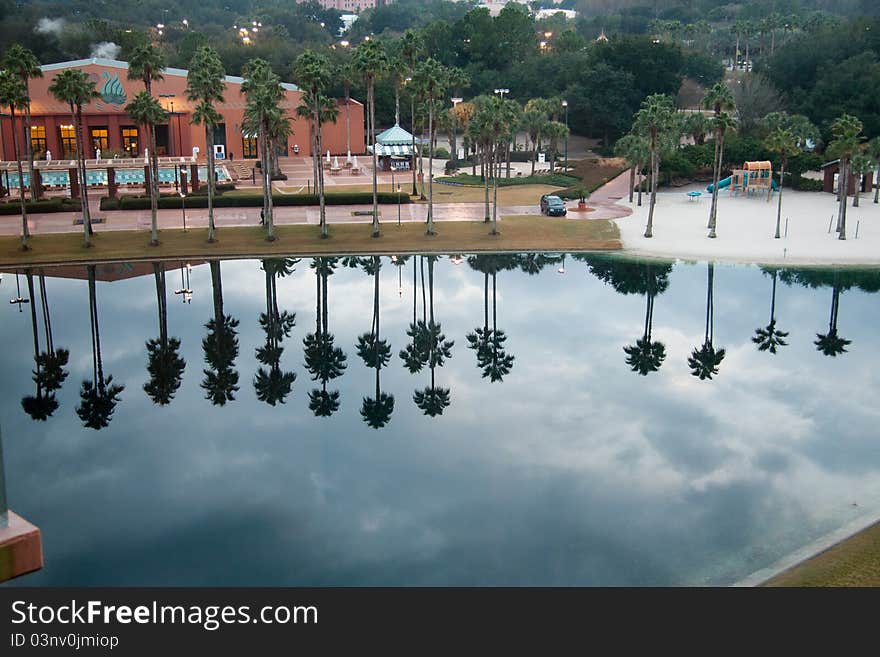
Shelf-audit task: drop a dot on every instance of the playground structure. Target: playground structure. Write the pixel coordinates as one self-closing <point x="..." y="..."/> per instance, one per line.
<point x="754" y="177"/>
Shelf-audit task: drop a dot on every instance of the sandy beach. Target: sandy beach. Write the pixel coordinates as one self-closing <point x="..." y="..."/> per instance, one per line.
<point x="746" y="226"/>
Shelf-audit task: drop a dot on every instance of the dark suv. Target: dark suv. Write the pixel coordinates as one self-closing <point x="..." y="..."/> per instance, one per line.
<point x="552" y="206"/>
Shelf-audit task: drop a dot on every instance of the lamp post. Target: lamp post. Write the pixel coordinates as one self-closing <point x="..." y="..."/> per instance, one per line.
<point x="398" y="205"/>
<point x="455" y="102"/>
<point x="565" y="105"/>
<point x="502" y="92"/>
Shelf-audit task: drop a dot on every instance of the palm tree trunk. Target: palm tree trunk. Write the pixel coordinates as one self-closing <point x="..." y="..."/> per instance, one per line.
<point x="485" y="158"/>
<point x="844" y="188"/>
<point x="217" y="295"/>
<point x="534" y="155"/>
<point x="267" y="184"/>
<point x="779" y="200"/>
<point x="347" y="120"/>
<point x="649" y="230"/>
<point x="716" y="174"/>
<point x="714" y="219"/>
<point x="76" y="115"/>
<point x="877" y="185"/>
<point x="857" y="188"/>
<point x="36" y="192"/>
<point x="319" y="181"/>
<point x="641" y="166"/>
<point x="25" y="232"/>
<point x="430" y="230"/>
<point x="209" y="139"/>
<point x="773" y="299"/>
<point x="154" y="189"/>
<point x="494" y="230"/>
<point x="412" y="109"/>
<point x="372" y="129"/>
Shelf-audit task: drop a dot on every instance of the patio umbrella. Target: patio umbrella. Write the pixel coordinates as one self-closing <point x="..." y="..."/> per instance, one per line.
<point x="348" y="157"/>
<point x="335" y="162"/>
<point x="354" y="161"/>
<point x="328" y="156"/>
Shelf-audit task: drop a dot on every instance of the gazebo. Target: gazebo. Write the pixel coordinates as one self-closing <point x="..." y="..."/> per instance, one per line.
<point x="394" y="149"/>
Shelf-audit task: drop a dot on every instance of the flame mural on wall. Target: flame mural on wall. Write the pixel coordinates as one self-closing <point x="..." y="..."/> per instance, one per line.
<point x="112" y="91"/>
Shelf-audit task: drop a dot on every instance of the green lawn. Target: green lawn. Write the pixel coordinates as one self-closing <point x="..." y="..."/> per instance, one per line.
<point x="517" y="234"/>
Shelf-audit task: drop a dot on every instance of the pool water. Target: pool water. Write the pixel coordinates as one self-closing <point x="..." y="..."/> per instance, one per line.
<point x="98" y="177"/>
<point x="366" y="422"/>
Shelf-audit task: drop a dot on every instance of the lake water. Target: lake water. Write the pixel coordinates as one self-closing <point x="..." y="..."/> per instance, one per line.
<point x="579" y="447"/>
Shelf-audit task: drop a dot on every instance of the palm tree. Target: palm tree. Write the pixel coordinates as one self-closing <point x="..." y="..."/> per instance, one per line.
<point x="873" y="149"/>
<point x="273" y="385"/>
<point x="371" y="62"/>
<point x="164" y="362"/>
<point x="146" y="111"/>
<point x="847" y="131"/>
<point x="860" y="164"/>
<point x="49" y="373"/>
<point x="220" y="346"/>
<point x="98" y="397"/>
<point x="533" y="122"/>
<point x="146" y="64"/>
<point x="263" y="93"/>
<point x="433" y="400"/>
<point x="205" y="86"/>
<point x="412" y="46"/>
<point x="653" y="120"/>
<point x="14" y="96"/>
<point x="486" y="342"/>
<point x="375" y="352"/>
<point x="482" y="133"/>
<point x="23" y="64"/>
<point x="414" y="355"/>
<point x="503" y="120"/>
<point x="324" y="360"/>
<point x="75" y="88"/>
<point x="554" y="131"/>
<point x="705" y="360"/>
<point x="718" y="98"/>
<point x="634" y="149"/>
<point x="770" y="338"/>
<point x="787" y="134"/>
<point x="313" y="72"/>
<point x="431" y="79"/>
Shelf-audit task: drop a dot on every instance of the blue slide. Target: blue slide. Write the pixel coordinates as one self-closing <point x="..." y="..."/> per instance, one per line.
<point x="726" y="183"/>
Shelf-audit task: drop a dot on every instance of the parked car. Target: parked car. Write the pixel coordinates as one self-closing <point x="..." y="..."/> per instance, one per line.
<point x="552" y="206"/>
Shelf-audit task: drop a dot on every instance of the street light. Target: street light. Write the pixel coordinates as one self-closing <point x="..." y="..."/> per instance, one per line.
<point x="18" y="298"/>
<point x="185" y="289"/>
<point x="398" y="205"/>
<point x="502" y="92"/>
<point x="565" y="105"/>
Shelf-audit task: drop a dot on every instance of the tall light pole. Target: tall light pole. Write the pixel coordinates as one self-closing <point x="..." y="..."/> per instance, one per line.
<point x="565" y="105"/>
<point x="398" y="205"/>
<point x="502" y="92"/>
<point x="455" y="102"/>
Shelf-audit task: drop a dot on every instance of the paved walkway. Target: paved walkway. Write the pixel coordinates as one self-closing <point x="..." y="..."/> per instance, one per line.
<point x="603" y="204"/>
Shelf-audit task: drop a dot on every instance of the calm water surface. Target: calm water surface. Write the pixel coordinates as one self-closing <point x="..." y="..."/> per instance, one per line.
<point x="616" y="423"/>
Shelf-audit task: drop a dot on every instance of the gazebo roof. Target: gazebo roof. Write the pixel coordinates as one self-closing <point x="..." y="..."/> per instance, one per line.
<point x="393" y="136"/>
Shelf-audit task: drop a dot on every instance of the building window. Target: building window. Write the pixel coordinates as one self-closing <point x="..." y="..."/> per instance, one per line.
<point x="249" y="147"/>
<point x="38" y="141"/>
<point x="130" y="140"/>
<point x="100" y="139"/>
<point x="68" y="140"/>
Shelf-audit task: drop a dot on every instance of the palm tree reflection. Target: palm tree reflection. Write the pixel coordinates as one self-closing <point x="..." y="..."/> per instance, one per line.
<point x="164" y="362"/>
<point x="49" y="374"/>
<point x="271" y="383"/>
<point x="324" y="360"/>
<point x="705" y="360"/>
<point x="770" y="338"/>
<point x="98" y="397"/>
<point x="220" y="346"/>
<point x="375" y="352"/>
<point x="486" y="342"/>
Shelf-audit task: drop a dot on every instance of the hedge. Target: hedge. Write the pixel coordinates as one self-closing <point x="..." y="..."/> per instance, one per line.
<point x="807" y="184"/>
<point x="557" y="179"/>
<point x="251" y="200"/>
<point x="42" y="207"/>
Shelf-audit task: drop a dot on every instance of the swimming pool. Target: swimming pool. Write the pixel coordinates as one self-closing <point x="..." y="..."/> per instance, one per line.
<point x="98" y="177"/>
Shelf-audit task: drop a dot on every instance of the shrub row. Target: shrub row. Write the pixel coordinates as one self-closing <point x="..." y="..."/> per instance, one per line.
<point x="43" y="206"/>
<point x="557" y="179"/>
<point x="251" y="200"/>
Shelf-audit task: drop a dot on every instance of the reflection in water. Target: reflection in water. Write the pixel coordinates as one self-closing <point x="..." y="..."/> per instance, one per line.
<point x="375" y="352"/>
<point x="164" y="362"/>
<point x="324" y="360"/>
<point x="488" y="343"/>
<point x="429" y="347"/>
<point x="705" y="360"/>
<point x="221" y="347"/>
<point x="770" y="338"/>
<point x="98" y="397"/>
<point x="274" y="385"/>
<point x="49" y="373"/>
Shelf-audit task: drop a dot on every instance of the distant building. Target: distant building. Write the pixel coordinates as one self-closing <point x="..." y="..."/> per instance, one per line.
<point x="349" y="6"/>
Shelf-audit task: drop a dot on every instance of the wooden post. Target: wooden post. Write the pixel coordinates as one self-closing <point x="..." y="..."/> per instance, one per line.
<point x="74" y="183"/>
<point x="194" y="176"/>
<point x="111" y="182"/>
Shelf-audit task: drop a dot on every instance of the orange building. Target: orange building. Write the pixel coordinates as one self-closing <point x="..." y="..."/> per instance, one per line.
<point x="109" y="129"/>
